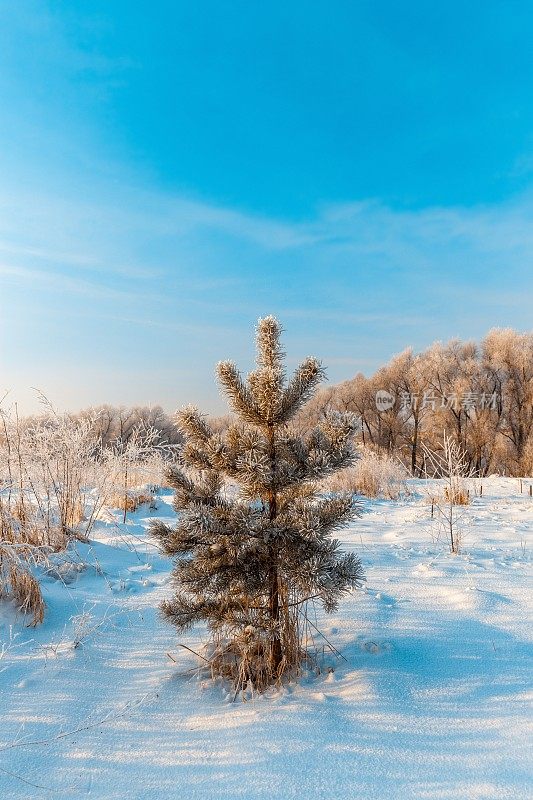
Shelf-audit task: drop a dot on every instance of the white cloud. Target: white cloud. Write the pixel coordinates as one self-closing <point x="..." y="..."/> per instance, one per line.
<point x="354" y="284"/>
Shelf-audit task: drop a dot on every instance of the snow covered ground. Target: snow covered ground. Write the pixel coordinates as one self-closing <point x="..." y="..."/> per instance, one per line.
<point x="432" y="697"/>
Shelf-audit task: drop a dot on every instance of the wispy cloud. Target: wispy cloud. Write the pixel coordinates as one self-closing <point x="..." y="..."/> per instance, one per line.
<point x="66" y="285"/>
<point x="146" y="235"/>
<point x="181" y="279"/>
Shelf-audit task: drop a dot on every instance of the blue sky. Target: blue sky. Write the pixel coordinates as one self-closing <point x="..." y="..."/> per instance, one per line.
<point x="171" y="171"/>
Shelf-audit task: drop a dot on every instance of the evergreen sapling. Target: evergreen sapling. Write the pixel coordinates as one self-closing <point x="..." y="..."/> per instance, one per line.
<point x="252" y="545"/>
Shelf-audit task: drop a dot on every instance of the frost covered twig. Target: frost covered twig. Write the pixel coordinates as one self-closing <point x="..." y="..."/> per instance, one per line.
<point x="109" y="717"/>
<point x="451" y="465"/>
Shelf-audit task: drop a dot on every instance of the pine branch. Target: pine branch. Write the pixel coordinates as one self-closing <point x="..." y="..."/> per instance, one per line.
<point x="270" y="354"/>
<point x="191" y="423"/>
<point x="301" y="387"/>
<point x="238" y="394"/>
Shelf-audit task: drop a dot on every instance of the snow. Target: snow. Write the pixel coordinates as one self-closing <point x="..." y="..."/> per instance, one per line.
<point x="432" y="697"/>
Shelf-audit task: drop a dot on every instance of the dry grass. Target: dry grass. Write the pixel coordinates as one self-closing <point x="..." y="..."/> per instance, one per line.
<point x="21" y="548"/>
<point x="130" y="501"/>
<point x="21" y="512"/>
<point x="25" y="591"/>
<point x="55" y="480"/>
<point x="242" y="658"/>
<point x="457" y="495"/>
<point x="244" y="662"/>
<point x="73" y="514"/>
<point x="22" y="524"/>
<point x="373" y="475"/>
<point x="17" y="582"/>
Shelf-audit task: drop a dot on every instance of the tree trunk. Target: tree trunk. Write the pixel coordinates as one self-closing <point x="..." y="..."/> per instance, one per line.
<point x="414" y="448"/>
<point x="273" y="605"/>
<point x="275" y="645"/>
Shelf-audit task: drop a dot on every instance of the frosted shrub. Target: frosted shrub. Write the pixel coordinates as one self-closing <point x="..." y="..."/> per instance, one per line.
<point x="451" y="464"/>
<point x="55" y="479"/>
<point x="373" y="475"/>
<point x="56" y="476"/>
<point x="140" y="464"/>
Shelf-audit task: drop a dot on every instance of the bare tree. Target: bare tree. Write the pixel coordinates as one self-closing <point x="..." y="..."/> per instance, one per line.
<point x="452" y="465"/>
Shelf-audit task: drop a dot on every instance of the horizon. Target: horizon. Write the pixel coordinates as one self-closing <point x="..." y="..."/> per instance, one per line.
<point x="170" y="175"/>
<point x="43" y="405"/>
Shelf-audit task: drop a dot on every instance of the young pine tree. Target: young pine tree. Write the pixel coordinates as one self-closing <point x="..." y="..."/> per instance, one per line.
<point x="252" y="545"/>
